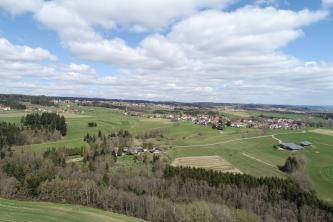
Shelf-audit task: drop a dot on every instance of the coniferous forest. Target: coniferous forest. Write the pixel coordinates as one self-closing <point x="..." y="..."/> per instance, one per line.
<point x="49" y="121"/>
<point x="35" y="128"/>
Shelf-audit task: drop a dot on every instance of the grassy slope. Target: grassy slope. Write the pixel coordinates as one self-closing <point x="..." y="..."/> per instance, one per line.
<point x="194" y="140"/>
<point x="320" y="162"/>
<point x="24" y="211"/>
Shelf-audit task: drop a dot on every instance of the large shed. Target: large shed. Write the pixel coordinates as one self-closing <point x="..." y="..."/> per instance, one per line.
<point x="305" y="143"/>
<point x="291" y="146"/>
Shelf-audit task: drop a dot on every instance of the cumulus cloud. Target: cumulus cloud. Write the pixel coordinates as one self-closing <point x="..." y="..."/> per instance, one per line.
<point x="144" y="16"/>
<point x="8" y="51"/>
<point x="243" y="31"/>
<point x="81" y="68"/>
<point x="21" y="6"/>
<point x="193" y="51"/>
<point x="327" y="3"/>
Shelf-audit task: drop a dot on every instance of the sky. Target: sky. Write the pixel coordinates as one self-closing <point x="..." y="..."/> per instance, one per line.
<point x="238" y="51"/>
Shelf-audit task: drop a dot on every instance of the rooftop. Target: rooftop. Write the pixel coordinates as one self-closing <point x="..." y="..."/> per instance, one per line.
<point x="306" y="143"/>
<point x="291" y="146"/>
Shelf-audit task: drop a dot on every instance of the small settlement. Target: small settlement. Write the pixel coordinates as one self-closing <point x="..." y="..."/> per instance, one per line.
<point x="257" y="123"/>
<point x="4" y="108"/>
<point x="139" y="150"/>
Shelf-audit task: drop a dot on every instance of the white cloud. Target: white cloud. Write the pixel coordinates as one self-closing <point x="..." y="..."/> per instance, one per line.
<point x="327" y="3"/>
<point x="20" y="6"/>
<point x="243" y="31"/>
<point x="9" y="51"/>
<point x="81" y="68"/>
<point x="200" y="55"/>
<point x="209" y="33"/>
<point x="146" y="15"/>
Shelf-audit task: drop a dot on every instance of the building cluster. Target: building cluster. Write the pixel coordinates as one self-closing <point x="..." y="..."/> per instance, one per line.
<point x="268" y="123"/>
<point x="259" y="123"/>
<point x="137" y="150"/>
<point x="4" y="108"/>
<point x="201" y="119"/>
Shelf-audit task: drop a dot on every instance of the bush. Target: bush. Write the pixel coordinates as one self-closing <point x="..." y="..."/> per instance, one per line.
<point x="92" y="124"/>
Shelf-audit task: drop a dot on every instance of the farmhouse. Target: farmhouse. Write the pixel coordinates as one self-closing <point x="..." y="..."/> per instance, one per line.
<point x="291" y="146"/>
<point x="4" y="108"/>
<point x="305" y="143"/>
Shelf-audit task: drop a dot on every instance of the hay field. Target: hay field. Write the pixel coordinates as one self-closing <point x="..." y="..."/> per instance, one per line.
<point x="216" y="163"/>
<point x="328" y="132"/>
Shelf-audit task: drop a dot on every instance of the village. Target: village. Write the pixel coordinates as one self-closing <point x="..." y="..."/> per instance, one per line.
<point x="4" y="108"/>
<point x="137" y="150"/>
<point x="215" y="120"/>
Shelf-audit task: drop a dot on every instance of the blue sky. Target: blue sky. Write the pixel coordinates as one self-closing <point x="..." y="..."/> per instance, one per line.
<point x="261" y="51"/>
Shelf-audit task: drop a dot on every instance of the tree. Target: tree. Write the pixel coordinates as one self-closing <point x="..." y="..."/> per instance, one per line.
<point x="290" y="165"/>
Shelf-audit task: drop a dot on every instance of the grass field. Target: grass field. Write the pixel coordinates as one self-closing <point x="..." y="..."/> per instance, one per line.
<point x="327" y="173"/>
<point x="249" y="150"/>
<point x="240" y="114"/>
<point x="319" y="161"/>
<point x="24" y="211"/>
<point x="328" y="132"/>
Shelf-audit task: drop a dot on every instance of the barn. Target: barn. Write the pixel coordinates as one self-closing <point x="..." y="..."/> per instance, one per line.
<point x="291" y="146"/>
<point x="305" y="143"/>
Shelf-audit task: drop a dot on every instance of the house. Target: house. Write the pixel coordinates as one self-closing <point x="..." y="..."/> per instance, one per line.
<point x="140" y="149"/>
<point x="305" y="143"/>
<point x="291" y="146"/>
<point x="132" y="150"/>
<point x="4" y="108"/>
<point x="156" y="152"/>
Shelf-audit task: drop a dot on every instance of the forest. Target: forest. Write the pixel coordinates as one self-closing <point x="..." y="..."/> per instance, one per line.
<point x="13" y="104"/>
<point x="17" y="100"/>
<point x="35" y="128"/>
<point x="151" y="189"/>
<point x="49" y="121"/>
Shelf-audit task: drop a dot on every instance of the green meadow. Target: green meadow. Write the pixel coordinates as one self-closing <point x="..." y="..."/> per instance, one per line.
<point x="28" y="211"/>
<point x="250" y="150"/>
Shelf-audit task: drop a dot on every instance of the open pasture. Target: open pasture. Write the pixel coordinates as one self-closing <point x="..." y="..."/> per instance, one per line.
<point x="216" y="163"/>
<point x="240" y="152"/>
<point x="319" y="160"/>
<point x="28" y="211"/>
<point x="241" y="114"/>
<point x="327" y="173"/>
<point x="257" y="156"/>
<point x="328" y="132"/>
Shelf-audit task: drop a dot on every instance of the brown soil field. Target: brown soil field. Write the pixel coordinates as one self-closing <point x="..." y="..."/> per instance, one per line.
<point x="207" y="162"/>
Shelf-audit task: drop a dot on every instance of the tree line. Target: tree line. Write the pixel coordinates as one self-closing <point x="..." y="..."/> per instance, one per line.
<point x="49" y="121"/>
<point x="278" y="189"/>
<point x="35" y="128"/>
<point x="18" y="99"/>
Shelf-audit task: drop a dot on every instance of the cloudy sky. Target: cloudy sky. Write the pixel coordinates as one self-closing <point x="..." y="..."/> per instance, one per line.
<point x="247" y="51"/>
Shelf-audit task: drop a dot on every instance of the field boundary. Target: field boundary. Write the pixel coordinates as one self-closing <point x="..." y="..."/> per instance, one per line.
<point x="216" y="163"/>
<point x="235" y="140"/>
<point x="259" y="160"/>
<point x="327" y="132"/>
